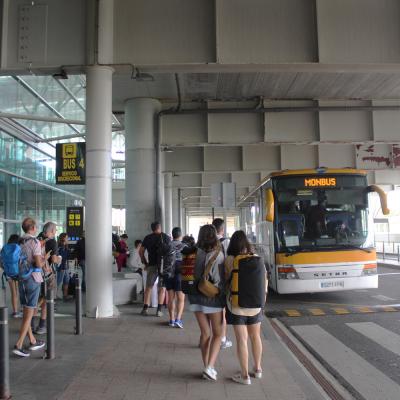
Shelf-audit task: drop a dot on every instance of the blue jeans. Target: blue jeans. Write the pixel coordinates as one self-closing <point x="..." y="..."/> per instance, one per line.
<point x="29" y="291"/>
<point x="62" y="277"/>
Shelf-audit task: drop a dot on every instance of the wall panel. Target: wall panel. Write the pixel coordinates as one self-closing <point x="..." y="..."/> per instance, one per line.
<point x="296" y="157"/>
<point x="222" y="158"/>
<point x="337" y="156"/>
<point x="180" y="129"/>
<point x="261" y="157"/>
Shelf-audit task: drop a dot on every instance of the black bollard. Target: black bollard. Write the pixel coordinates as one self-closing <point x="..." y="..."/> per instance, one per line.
<point x="78" y="307"/>
<point x="50" y="350"/>
<point x="4" y="355"/>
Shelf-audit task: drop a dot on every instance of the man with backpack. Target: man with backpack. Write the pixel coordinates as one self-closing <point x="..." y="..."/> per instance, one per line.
<point x="30" y="278"/>
<point x="219" y="225"/>
<point x="159" y="265"/>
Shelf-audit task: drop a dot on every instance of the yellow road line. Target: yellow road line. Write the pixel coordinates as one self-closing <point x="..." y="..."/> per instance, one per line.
<point x="341" y="311"/>
<point x="365" y="309"/>
<point x="316" y="311"/>
<point x="389" y="309"/>
<point x="292" y="313"/>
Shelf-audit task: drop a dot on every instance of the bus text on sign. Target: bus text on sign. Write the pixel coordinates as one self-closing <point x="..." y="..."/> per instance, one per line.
<point x="320" y="182"/>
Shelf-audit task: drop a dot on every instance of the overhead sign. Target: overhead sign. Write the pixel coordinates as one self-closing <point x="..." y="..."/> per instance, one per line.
<point x="74" y="222"/>
<point x="70" y="163"/>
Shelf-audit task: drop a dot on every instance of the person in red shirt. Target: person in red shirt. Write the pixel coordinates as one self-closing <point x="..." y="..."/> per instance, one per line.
<point x="123" y="252"/>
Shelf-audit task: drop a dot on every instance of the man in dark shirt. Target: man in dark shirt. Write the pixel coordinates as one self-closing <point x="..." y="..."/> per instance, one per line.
<point x="316" y="219"/>
<point x="156" y="244"/>
<point x="47" y="238"/>
<point x="80" y="255"/>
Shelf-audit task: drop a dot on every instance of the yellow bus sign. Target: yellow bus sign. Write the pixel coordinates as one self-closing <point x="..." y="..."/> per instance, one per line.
<point x="70" y="163"/>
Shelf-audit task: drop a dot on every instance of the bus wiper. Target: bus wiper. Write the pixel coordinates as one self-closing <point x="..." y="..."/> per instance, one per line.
<point x="350" y="246"/>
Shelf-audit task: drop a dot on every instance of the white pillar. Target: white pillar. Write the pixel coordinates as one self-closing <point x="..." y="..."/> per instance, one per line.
<point x="168" y="202"/>
<point x="99" y="295"/>
<point x="140" y="174"/>
<point x="175" y="207"/>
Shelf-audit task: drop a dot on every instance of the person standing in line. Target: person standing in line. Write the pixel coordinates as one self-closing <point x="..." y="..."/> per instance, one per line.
<point x="50" y="248"/>
<point x="63" y="268"/>
<point x="219" y="225"/>
<point x="176" y="298"/>
<point x="29" y="286"/>
<point x="80" y="255"/>
<point x="208" y="310"/>
<point x="9" y="259"/>
<point x="159" y="264"/>
<point x="246" y="321"/>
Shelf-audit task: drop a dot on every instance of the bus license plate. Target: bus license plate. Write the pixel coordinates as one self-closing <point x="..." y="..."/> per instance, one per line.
<point x="331" y="284"/>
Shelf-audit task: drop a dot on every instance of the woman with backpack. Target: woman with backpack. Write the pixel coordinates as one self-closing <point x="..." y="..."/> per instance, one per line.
<point x="208" y="302"/>
<point x="10" y="259"/>
<point x="246" y="279"/>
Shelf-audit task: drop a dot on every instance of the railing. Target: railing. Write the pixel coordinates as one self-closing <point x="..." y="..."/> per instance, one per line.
<point x="388" y="250"/>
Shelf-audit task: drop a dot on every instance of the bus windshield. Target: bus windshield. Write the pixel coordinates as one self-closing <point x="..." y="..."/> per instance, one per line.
<point x="317" y="214"/>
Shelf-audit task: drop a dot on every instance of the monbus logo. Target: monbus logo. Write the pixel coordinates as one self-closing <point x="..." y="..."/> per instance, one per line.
<point x="319" y="182"/>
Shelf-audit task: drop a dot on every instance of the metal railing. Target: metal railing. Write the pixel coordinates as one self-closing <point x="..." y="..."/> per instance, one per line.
<point x="388" y="250"/>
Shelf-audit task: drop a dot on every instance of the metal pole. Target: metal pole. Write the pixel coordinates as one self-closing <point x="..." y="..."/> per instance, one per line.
<point x="78" y="307"/>
<point x="213" y="213"/>
<point x="50" y="350"/>
<point x="4" y="355"/>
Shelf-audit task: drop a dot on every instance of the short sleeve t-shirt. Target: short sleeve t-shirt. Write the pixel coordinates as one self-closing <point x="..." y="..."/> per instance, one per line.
<point x="151" y="242"/>
<point x="51" y="246"/>
<point x="32" y="248"/>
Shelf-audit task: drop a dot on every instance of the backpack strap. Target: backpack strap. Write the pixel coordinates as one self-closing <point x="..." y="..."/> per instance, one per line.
<point x="211" y="261"/>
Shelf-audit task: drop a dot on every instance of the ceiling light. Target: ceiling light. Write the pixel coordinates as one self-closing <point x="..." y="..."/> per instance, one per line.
<point x="168" y="150"/>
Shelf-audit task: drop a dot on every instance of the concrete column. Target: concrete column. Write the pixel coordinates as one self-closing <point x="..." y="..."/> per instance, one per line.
<point x="168" y="202"/>
<point x="140" y="174"/>
<point x="99" y="295"/>
<point x="175" y="208"/>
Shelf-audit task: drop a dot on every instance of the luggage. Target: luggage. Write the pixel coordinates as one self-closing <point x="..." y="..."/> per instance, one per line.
<point x="248" y="282"/>
<point x="10" y="257"/>
<point x="187" y="271"/>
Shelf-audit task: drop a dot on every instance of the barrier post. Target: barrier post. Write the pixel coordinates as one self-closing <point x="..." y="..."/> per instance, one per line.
<point x="78" y="307"/>
<point x="50" y="349"/>
<point x="4" y="355"/>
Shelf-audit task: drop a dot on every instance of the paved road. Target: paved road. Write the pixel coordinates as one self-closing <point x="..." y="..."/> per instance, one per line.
<point x="356" y="335"/>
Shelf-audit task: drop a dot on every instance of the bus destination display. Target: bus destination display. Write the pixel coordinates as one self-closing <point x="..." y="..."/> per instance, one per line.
<point x="320" y="182"/>
<point x="70" y="163"/>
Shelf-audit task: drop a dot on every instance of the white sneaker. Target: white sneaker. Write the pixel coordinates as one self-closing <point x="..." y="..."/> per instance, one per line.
<point x="239" y="379"/>
<point x="257" y="373"/>
<point x="210" y="373"/>
<point x="226" y="344"/>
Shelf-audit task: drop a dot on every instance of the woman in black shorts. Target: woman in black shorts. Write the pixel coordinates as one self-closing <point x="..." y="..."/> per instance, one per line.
<point x="246" y="321"/>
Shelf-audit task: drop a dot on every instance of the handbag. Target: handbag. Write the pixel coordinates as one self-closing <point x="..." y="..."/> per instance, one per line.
<point x="205" y="286"/>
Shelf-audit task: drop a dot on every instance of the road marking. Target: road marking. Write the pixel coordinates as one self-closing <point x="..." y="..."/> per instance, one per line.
<point x="385" y="338"/>
<point x="383" y="298"/>
<point x="389" y="309"/>
<point x="341" y="310"/>
<point x="292" y="313"/>
<point x="316" y="311"/>
<point x="370" y="382"/>
<point x="365" y="309"/>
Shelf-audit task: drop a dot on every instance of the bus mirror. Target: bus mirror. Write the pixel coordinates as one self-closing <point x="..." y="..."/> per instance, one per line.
<point x="269" y="204"/>
<point x="382" y="197"/>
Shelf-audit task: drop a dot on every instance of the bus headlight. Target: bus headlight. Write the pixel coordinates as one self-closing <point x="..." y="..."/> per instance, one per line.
<point x="369" y="269"/>
<point x="287" y="273"/>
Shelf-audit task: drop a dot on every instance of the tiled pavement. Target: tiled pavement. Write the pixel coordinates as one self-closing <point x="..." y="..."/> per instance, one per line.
<point x="133" y="357"/>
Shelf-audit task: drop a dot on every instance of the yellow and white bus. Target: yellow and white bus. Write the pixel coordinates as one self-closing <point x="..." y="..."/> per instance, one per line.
<point x="314" y="230"/>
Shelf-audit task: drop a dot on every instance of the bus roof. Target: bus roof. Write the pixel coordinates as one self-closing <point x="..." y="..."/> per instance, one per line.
<point x="317" y="171"/>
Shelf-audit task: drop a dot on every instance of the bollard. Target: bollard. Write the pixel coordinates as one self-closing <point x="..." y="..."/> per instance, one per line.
<point x="78" y="307"/>
<point x="4" y="355"/>
<point x="50" y="350"/>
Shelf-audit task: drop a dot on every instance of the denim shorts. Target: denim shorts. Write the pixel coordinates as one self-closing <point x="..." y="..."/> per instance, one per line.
<point x="152" y="275"/>
<point x="29" y="291"/>
<point x="174" y="283"/>
<point x="233" y="319"/>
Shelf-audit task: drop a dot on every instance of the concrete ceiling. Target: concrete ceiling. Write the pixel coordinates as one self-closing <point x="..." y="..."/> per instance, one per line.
<point x="270" y="85"/>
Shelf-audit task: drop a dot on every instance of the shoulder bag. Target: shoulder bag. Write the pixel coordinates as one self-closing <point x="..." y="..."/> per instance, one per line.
<point x="205" y="286"/>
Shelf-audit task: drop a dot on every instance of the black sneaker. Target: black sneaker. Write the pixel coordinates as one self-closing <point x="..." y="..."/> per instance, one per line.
<point x="20" y="352"/>
<point x="38" y="345"/>
<point x="145" y="312"/>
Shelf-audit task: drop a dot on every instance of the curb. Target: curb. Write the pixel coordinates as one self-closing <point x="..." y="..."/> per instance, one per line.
<point x="322" y="377"/>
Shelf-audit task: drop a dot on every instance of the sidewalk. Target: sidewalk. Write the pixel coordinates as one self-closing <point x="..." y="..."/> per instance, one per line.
<point x="134" y="357"/>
